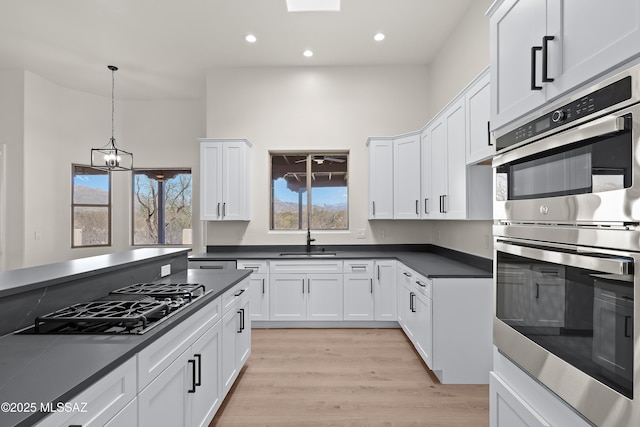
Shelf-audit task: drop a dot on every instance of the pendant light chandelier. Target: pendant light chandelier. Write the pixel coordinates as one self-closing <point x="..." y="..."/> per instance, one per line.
<point x="110" y="157"/>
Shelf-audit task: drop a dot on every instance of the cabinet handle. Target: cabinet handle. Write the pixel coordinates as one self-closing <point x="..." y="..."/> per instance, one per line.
<point x="444" y="203"/>
<point x="198" y="357"/>
<point x="373" y="208"/>
<point x="263" y="286"/>
<point x="537" y="290"/>
<point x="417" y="207"/>
<point x="411" y="304"/>
<point x="534" y="49"/>
<point x="239" y="293"/>
<point x="211" y="267"/>
<point x="240" y="322"/>
<point x="371" y="284"/>
<point x="358" y="267"/>
<point x="303" y="286"/>
<point x="242" y="319"/>
<point x="421" y="284"/>
<point x="378" y="272"/>
<point x="218" y="209"/>
<point x="193" y="376"/>
<point x="407" y="274"/>
<point x="545" y="58"/>
<point x="489" y="134"/>
<point x="224" y="209"/>
<point x="440" y="204"/>
<point x="628" y="326"/>
<point x="426" y="206"/>
<point x="308" y="286"/>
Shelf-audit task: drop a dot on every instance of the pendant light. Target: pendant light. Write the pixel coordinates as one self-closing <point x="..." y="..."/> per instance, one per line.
<point x="110" y="157"/>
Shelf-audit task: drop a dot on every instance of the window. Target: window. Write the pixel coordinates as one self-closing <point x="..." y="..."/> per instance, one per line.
<point x="162" y="207"/>
<point x="319" y="180"/>
<point x="90" y="207"/>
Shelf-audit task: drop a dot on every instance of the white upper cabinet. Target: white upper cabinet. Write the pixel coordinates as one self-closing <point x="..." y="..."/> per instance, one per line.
<point x="448" y="166"/>
<point x="542" y="49"/>
<point x="380" y="178"/>
<point x="426" y="198"/>
<point x="224" y="179"/>
<point x="406" y="177"/>
<point x="477" y="101"/>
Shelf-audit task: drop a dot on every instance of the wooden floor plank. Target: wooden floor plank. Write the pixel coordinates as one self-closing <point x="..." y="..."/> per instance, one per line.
<point x="345" y="377"/>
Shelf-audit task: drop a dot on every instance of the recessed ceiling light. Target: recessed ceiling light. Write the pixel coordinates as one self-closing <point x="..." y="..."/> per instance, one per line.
<point x="308" y="53"/>
<point x="313" y="5"/>
<point x="378" y="37"/>
<point x="251" y="38"/>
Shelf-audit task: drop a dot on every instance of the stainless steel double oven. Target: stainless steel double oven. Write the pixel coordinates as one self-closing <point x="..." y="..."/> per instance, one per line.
<point x="567" y="249"/>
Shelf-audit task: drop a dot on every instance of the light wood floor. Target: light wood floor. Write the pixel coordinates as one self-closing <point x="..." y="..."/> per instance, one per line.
<point x="345" y="377"/>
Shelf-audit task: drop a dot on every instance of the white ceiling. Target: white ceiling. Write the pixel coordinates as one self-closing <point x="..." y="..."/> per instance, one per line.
<point x="164" y="47"/>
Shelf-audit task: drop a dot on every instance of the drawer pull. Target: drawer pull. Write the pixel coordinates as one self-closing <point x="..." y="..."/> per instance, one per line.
<point x="421" y="284"/>
<point x="239" y="293"/>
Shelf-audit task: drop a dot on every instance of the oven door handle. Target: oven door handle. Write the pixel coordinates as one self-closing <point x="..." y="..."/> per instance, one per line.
<point x="606" y="264"/>
<point x="600" y="127"/>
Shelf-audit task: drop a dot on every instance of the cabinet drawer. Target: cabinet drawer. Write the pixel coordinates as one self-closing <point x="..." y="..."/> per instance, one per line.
<point x="230" y="297"/>
<point x="358" y="266"/>
<point x="104" y="399"/>
<point x="259" y="266"/>
<point x="423" y="284"/>
<point x="312" y="266"/>
<point x="213" y="265"/>
<point x="157" y="356"/>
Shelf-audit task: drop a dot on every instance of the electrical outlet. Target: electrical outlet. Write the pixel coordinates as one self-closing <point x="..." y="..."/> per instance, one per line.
<point x="165" y="270"/>
<point x="361" y="233"/>
<point x="381" y="233"/>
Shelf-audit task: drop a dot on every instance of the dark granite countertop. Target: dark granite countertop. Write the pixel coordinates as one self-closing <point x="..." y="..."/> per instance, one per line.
<point x="51" y="368"/>
<point x="428" y="260"/>
<point x="23" y="279"/>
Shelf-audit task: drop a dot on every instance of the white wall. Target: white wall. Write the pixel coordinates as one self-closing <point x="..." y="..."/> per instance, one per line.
<point x="47" y="128"/>
<point x="315" y="108"/>
<point x="11" y="136"/>
<point x="464" y="55"/>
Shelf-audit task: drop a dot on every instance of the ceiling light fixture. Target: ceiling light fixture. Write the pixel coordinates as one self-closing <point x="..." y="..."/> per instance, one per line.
<point x="378" y="37"/>
<point x="308" y="53"/>
<point x="250" y="38"/>
<point x="110" y="157"/>
<point x="313" y="5"/>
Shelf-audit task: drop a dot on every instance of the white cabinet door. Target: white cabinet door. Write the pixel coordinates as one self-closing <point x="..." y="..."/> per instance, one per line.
<point x="324" y="297"/>
<point x="207" y="352"/>
<point x="358" y="297"/>
<point x="287" y="296"/>
<point x="514" y="29"/>
<point x="423" y="328"/>
<point x="406" y="177"/>
<point x="477" y="100"/>
<point x="234" y="181"/>
<point x="224" y="180"/>
<point x="259" y="292"/>
<point x="166" y="401"/>
<point x="385" y="290"/>
<point x="210" y="181"/>
<point x="426" y="172"/>
<point x="507" y="409"/>
<point x="455" y="200"/>
<point x="380" y="179"/>
<point x="230" y="330"/>
<point x="243" y="341"/>
<point x="590" y="37"/>
<point x="438" y="140"/>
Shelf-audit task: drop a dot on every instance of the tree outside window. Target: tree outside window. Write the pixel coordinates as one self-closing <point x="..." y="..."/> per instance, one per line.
<point x="90" y="207"/>
<point x="162" y="207"/>
<point x="319" y="180"/>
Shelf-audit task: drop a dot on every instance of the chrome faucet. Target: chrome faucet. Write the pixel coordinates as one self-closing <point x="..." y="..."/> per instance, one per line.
<point x="309" y="240"/>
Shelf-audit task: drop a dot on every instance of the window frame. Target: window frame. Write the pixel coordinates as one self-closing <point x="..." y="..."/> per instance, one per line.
<point x="133" y="195"/>
<point x="108" y="206"/>
<point x="309" y="154"/>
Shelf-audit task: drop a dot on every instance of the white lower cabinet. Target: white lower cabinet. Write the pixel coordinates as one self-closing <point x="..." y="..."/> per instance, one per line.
<point x="306" y="290"/>
<point x="385" y="291"/>
<point x="236" y="336"/>
<point x="447" y="319"/>
<point x="358" y="290"/>
<point x="105" y="400"/>
<point x="259" y="287"/>
<point x="517" y="400"/>
<point x="127" y="417"/>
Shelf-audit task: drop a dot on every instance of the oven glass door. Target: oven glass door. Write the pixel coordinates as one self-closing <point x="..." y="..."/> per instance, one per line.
<point x="578" y="307"/>
<point x="584" y="163"/>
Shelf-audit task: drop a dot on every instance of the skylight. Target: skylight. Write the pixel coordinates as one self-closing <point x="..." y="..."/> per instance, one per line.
<point x="313" y="5"/>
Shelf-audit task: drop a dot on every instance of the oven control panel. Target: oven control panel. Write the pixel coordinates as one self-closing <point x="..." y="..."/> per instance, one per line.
<point x="598" y="100"/>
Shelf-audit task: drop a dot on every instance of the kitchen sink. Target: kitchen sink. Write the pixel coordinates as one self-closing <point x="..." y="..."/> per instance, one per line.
<point x="308" y="254"/>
